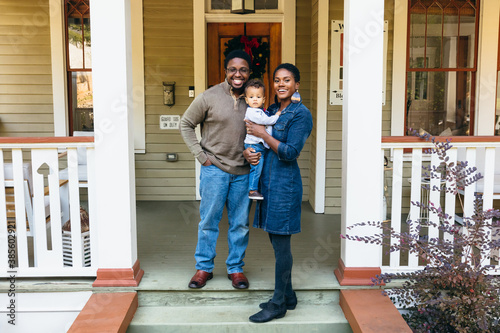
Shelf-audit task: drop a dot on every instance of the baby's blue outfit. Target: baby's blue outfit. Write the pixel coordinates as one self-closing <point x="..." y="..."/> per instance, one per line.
<point x="258" y="116"/>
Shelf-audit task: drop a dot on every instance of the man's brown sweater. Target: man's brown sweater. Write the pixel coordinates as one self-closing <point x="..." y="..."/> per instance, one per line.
<point x="220" y="115"/>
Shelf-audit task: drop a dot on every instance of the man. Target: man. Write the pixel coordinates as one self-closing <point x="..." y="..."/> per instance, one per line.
<point x="220" y="111"/>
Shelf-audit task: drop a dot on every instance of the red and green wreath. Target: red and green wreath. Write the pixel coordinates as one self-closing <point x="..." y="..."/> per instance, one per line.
<point x="256" y="49"/>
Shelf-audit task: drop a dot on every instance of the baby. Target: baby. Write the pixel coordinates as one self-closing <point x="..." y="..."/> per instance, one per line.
<point x="254" y="96"/>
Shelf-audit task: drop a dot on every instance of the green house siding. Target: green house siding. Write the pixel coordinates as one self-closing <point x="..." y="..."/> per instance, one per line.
<point x="25" y="69"/>
<point x="168" y="56"/>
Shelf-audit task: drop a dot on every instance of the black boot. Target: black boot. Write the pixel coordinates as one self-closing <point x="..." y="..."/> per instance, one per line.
<point x="291" y="302"/>
<point x="272" y="311"/>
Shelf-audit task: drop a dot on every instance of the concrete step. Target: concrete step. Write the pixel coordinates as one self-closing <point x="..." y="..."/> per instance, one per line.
<point x="228" y="311"/>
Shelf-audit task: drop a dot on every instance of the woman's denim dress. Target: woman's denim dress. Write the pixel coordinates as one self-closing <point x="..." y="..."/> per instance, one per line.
<point x="280" y="182"/>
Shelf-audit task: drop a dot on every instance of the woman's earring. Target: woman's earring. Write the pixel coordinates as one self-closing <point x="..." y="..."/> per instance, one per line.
<point x="296" y="97"/>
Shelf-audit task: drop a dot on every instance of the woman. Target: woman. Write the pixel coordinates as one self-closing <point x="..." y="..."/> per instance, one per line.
<point x="281" y="185"/>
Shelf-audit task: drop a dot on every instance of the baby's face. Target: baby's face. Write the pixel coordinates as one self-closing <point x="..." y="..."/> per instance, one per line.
<point x="255" y="97"/>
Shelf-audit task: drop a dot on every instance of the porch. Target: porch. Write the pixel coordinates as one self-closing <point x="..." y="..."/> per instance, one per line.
<point x="167" y="234"/>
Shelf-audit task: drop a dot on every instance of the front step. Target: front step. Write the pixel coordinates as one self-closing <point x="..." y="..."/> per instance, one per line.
<point x="228" y="311"/>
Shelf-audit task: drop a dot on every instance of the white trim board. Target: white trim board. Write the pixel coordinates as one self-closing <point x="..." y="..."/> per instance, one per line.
<point x="58" y="59"/>
<point x="138" y="95"/>
<point x="399" y="68"/>
<point x="321" y="107"/>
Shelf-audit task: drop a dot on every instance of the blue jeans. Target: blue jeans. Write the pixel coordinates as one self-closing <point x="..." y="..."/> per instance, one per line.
<point x="255" y="170"/>
<point x="219" y="188"/>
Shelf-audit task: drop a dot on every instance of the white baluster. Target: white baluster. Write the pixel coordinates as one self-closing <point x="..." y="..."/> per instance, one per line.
<point x="396" y="203"/>
<point x="416" y="176"/>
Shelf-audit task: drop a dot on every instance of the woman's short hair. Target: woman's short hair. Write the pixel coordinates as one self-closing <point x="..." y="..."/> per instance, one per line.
<point x="238" y="54"/>
<point x="291" y="68"/>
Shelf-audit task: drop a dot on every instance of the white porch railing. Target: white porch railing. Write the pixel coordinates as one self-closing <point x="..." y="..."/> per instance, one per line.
<point x="403" y="184"/>
<point x="35" y="203"/>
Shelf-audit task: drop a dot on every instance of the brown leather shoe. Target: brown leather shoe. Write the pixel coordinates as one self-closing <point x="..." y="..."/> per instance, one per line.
<point x="199" y="280"/>
<point x="239" y="280"/>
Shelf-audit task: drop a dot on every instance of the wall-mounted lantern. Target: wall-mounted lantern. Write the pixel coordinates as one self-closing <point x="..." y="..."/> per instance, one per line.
<point x="242" y="6"/>
<point x="169" y="93"/>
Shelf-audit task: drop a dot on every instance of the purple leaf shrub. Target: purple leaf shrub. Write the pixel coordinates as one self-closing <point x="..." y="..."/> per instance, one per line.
<point x="455" y="291"/>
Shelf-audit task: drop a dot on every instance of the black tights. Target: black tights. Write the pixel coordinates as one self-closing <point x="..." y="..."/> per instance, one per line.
<point x="283" y="268"/>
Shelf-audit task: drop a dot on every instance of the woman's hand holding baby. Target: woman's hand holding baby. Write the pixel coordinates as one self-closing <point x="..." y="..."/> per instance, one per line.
<point x="255" y="129"/>
<point x="251" y="156"/>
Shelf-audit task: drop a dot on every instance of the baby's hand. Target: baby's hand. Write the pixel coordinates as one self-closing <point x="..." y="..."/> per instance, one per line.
<point x="278" y="113"/>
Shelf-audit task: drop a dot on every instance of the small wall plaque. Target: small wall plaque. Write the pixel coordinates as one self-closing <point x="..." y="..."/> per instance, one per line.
<point x="170" y="121"/>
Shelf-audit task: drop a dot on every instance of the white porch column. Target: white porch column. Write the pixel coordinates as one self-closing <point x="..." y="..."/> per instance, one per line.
<point x="114" y="144"/>
<point x="361" y="137"/>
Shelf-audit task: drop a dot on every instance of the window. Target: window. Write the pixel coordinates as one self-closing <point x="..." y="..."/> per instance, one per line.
<point x="441" y="66"/>
<point x="259" y="4"/>
<point x="79" y="65"/>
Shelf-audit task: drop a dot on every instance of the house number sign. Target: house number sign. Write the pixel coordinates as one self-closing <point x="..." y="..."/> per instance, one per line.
<point x="337" y="64"/>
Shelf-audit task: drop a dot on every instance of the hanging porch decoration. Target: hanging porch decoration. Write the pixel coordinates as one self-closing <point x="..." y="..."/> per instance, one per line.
<point x="256" y="49"/>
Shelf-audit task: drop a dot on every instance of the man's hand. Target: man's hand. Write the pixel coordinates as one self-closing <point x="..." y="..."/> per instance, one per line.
<point x="251" y="156"/>
<point x="207" y="163"/>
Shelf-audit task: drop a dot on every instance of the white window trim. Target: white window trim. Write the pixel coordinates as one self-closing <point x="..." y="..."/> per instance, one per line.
<point x="487" y="60"/>
<point x="59" y="83"/>
<point x="486" y="67"/>
<point x="138" y="95"/>
<point x="257" y="11"/>
<point x="321" y="107"/>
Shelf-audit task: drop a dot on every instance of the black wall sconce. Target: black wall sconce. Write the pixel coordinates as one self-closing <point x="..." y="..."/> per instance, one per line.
<point x="242" y="6"/>
<point x="169" y="93"/>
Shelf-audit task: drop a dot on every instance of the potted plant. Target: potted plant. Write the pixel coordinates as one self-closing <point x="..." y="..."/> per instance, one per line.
<point x="455" y="291"/>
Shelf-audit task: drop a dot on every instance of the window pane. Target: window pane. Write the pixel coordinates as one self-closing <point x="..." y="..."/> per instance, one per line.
<point x="467" y="37"/>
<point x="87" y="45"/>
<point x="448" y="28"/>
<point x="75" y="42"/>
<point x="266" y="4"/>
<point x="450" y="39"/>
<point x="417" y="39"/>
<point x="439" y="102"/>
<point x="259" y="4"/>
<point x="434" y="33"/>
<point x="82" y="101"/>
<point x="221" y="4"/>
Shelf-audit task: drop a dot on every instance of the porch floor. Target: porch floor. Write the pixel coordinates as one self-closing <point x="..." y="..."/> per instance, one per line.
<point x="167" y="234"/>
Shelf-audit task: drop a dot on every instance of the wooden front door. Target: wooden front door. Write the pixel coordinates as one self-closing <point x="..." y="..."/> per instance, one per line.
<point x="220" y="33"/>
